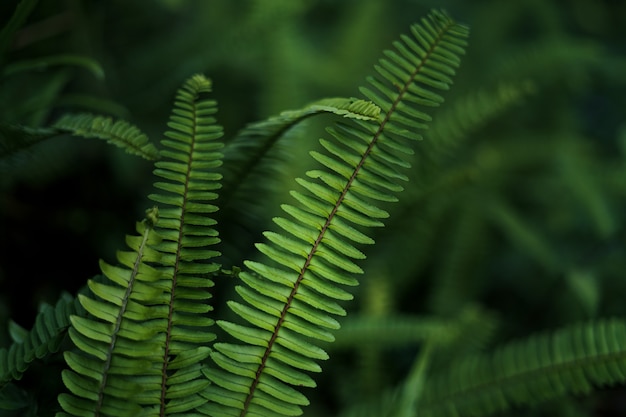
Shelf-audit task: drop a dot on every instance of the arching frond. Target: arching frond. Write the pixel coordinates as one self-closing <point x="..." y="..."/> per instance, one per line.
<point x="253" y="143"/>
<point x="44" y="338"/>
<point x="118" y="133"/>
<point x="288" y="300"/>
<point x="572" y="360"/>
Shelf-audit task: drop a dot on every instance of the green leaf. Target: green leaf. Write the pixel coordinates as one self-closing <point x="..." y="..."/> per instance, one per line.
<point x="119" y="133"/>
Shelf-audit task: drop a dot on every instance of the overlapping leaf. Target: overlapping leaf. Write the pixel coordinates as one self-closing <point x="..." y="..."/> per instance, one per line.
<point x="141" y="350"/>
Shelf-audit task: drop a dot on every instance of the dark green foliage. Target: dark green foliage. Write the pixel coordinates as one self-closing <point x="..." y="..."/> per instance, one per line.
<point x="261" y="281"/>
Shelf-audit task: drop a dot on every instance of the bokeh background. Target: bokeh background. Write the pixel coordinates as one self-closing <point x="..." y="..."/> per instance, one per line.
<point x="518" y="197"/>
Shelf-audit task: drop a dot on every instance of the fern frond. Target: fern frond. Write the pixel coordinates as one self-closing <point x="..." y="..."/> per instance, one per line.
<point x="43" y="339"/>
<point x="187" y="168"/>
<point x="242" y="155"/>
<point x="142" y="349"/>
<point x="119" y="133"/>
<point x="572" y="360"/>
<point x="351" y="108"/>
<point x="118" y="342"/>
<point x="288" y="305"/>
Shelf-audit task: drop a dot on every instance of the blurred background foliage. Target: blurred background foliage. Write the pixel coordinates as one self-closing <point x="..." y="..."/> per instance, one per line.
<point x="516" y="209"/>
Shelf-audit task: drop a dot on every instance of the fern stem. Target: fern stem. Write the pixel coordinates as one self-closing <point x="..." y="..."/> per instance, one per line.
<point x="331" y="216"/>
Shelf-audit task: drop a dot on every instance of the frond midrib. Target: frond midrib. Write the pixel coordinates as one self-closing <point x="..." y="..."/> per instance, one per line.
<point x="331" y="216"/>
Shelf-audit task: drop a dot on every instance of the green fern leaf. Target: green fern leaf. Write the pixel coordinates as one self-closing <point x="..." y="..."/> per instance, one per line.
<point x="118" y="133"/>
<point x="291" y="315"/>
<point x="572" y="360"/>
<point x="188" y="163"/>
<point x="43" y="339"/>
<point x="108" y="340"/>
